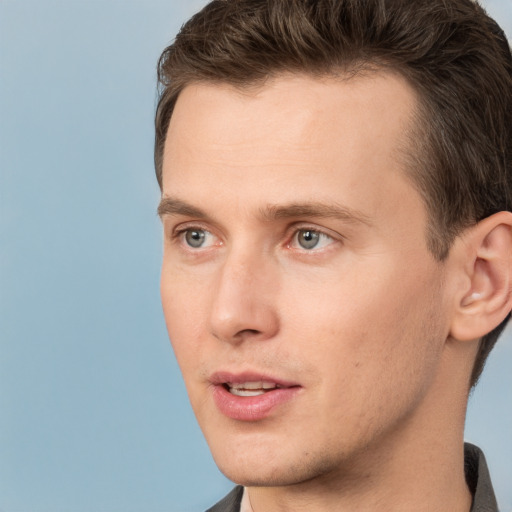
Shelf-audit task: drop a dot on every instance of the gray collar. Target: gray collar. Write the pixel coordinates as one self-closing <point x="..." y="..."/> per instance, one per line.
<point x="479" y="480"/>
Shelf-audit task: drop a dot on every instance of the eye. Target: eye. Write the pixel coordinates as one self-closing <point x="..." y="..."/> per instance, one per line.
<point x="309" y="239"/>
<point x="197" y="238"/>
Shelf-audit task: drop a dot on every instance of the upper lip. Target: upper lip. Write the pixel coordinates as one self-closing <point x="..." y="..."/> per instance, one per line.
<point x="226" y="377"/>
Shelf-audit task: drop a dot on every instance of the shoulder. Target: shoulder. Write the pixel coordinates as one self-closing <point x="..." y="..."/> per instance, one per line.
<point x="231" y="502"/>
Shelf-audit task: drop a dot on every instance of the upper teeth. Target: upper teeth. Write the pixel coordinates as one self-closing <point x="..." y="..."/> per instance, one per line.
<point x="251" y="388"/>
<point x="253" y="385"/>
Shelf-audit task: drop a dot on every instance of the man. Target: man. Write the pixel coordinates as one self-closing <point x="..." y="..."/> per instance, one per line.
<point x="336" y="196"/>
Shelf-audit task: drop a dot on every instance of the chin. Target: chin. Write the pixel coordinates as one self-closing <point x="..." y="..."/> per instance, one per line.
<point x="273" y="469"/>
<point x="272" y="477"/>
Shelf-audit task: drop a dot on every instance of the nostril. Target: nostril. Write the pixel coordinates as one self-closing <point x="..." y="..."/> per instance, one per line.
<point x="247" y="333"/>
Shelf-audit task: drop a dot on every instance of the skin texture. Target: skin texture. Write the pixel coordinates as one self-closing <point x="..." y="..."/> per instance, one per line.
<point x="362" y="322"/>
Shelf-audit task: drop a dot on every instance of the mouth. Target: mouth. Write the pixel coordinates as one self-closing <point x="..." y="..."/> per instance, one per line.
<point x="250" y="388"/>
<point x="249" y="383"/>
<point x="251" y="397"/>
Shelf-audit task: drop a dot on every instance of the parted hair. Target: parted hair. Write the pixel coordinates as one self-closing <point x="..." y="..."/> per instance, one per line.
<point x="451" y="52"/>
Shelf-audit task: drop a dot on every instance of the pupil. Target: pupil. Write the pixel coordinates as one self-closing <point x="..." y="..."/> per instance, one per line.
<point x="309" y="239"/>
<point x="195" y="238"/>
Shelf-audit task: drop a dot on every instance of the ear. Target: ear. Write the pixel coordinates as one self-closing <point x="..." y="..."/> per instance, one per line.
<point x="485" y="294"/>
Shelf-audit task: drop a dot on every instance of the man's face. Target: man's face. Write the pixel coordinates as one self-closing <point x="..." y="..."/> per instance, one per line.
<point x="305" y="311"/>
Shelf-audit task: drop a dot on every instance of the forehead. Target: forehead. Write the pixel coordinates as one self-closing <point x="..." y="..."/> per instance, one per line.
<point x="292" y="135"/>
<point x="293" y="107"/>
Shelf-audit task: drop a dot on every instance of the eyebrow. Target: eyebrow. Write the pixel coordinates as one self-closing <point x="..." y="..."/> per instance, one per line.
<point x="173" y="206"/>
<point x="315" y="210"/>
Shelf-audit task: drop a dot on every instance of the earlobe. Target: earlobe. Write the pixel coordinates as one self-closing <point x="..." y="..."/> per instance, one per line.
<point x="487" y="297"/>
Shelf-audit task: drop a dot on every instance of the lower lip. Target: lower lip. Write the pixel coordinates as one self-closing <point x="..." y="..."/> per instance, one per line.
<point x="251" y="408"/>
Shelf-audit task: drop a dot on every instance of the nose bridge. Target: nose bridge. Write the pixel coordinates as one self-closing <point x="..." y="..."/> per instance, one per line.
<point x="243" y="301"/>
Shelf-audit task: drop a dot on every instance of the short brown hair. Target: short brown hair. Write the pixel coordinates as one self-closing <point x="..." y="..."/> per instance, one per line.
<point x="450" y="51"/>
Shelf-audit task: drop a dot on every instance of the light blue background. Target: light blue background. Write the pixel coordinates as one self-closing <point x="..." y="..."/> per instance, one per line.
<point x="93" y="413"/>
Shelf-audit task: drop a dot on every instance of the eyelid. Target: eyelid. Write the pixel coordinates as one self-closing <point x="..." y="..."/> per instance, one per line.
<point x="181" y="227"/>
<point x="305" y="226"/>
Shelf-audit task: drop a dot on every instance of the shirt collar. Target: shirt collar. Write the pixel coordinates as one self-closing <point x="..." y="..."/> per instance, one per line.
<point x="479" y="480"/>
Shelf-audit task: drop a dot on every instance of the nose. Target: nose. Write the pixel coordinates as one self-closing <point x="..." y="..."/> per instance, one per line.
<point x="243" y="306"/>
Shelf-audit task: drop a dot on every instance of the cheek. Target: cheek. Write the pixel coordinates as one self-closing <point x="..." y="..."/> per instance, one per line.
<point x="404" y="334"/>
<point x="184" y="312"/>
<point x="369" y="327"/>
